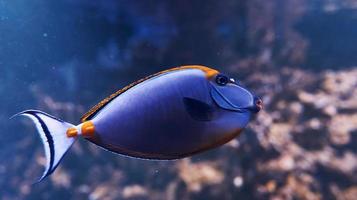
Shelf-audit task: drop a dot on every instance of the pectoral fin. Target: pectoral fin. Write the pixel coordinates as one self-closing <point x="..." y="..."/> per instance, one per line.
<point x="198" y="110"/>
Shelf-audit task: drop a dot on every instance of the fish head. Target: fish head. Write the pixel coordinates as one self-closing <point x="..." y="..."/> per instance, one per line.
<point x="231" y="96"/>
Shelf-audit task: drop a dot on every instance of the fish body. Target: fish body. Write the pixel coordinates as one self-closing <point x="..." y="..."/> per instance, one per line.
<point x="169" y="115"/>
<point x="150" y="120"/>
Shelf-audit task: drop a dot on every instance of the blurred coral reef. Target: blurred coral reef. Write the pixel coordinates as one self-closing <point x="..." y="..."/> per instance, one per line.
<point x="302" y="145"/>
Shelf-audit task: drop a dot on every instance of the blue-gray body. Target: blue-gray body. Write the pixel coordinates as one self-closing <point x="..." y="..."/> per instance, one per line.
<point x="150" y="120"/>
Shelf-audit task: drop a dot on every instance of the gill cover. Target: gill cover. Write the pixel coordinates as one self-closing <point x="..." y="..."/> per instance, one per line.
<point x="232" y="97"/>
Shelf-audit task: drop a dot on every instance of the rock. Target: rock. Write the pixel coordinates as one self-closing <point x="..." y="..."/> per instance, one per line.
<point x="283" y="163"/>
<point x="340" y="82"/>
<point x="61" y="178"/>
<point x="279" y="133"/>
<point x="341" y="127"/>
<point x="197" y="175"/>
<point x="134" y="191"/>
<point x="104" y="192"/>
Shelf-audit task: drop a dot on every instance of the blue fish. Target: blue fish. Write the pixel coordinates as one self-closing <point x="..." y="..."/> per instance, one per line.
<point x="169" y="115"/>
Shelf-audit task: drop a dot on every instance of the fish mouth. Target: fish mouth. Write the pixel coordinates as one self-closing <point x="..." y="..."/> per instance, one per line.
<point x="235" y="98"/>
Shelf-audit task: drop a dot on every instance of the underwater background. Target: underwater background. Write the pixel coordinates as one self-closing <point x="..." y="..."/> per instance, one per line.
<point x="300" y="56"/>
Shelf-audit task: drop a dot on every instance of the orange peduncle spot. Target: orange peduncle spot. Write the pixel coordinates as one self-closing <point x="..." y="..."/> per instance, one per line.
<point x="88" y="129"/>
<point x="71" y="132"/>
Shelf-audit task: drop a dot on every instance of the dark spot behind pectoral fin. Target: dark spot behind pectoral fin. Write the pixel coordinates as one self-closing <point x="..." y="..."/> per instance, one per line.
<point x="198" y="110"/>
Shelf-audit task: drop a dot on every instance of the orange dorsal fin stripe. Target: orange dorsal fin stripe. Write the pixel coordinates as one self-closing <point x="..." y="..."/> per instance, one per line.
<point x="87" y="116"/>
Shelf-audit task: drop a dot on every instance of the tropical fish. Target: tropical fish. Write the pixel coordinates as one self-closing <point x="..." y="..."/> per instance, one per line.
<point x="169" y="115"/>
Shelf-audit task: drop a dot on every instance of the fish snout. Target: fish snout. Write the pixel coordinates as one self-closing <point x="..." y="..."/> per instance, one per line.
<point x="258" y="105"/>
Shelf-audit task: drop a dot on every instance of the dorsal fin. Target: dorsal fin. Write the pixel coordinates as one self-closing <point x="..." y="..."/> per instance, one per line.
<point x="93" y="111"/>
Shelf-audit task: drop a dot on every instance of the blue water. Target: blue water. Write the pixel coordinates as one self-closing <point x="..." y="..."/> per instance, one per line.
<point x="64" y="56"/>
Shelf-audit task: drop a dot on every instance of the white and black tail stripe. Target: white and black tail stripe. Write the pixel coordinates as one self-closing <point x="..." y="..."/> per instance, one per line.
<point x="53" y="134"/>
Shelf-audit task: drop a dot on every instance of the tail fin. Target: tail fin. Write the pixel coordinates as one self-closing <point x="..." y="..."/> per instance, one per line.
<point x="53" y="134"/>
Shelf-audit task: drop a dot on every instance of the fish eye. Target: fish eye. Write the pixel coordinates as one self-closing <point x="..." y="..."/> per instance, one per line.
<point x="222" y="79"/>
